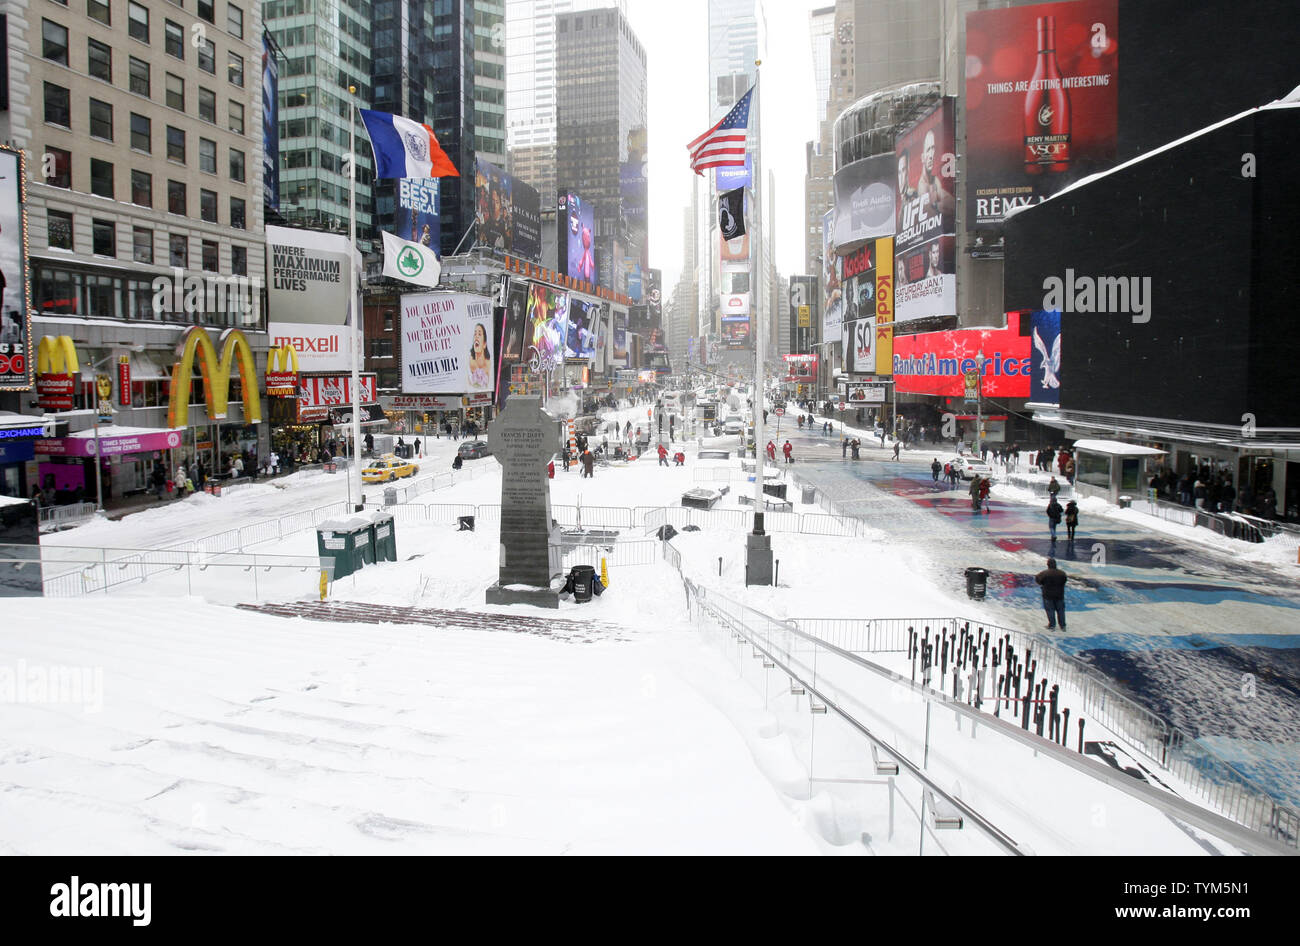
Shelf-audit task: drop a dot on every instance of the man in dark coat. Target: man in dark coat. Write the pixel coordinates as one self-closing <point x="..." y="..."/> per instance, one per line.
<point x="588" y="464"/>
<point x="1054" y="513"/>
<point x="1052" y="580"/>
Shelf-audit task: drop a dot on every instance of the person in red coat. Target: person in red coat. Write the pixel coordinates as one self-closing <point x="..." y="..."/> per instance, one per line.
<point x="771" y="451"/>
<point x="788" y="450"/>
<point x="663" y="455"/>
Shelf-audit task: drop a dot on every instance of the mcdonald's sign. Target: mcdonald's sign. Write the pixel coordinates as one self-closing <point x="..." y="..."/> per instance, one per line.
<point x="282" y="372"/>
<point x="57" y="370"/>
<point x="216" y="376"/>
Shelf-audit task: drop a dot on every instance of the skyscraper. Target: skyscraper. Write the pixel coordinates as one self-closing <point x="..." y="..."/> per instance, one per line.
<point x="601" y="107"/>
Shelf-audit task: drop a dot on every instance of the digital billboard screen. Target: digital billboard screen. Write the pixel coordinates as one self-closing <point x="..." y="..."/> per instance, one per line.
<point x="584" y="321"/>
<point x="1041" y="102"/>
<point x="417" y="217"/>
<point x="548" y="318"/>
<point x="864" y="201"/>
<point x="576" y="223"/>
<point x="508" y="212"/>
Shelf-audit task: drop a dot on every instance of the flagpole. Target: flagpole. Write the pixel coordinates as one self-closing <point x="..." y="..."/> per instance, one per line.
<point x="354" y="467"/>
<point x="760" y="451"/>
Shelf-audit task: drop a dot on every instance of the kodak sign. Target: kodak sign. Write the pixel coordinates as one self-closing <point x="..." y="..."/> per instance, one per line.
<point x="216" y="376"/>
<point x="282" y="372"/>
<point x="56" y="372"/>
<point x="885" y="306"/>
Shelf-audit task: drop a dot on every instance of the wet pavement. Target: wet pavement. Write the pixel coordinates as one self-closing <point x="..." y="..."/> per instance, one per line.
<point x="1206" y="640"/>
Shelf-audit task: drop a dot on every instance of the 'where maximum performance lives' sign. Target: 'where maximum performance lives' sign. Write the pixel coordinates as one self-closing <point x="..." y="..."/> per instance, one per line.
<point x="447" y="345"/>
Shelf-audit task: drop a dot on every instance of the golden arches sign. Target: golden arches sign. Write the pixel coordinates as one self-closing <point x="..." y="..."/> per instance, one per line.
<point x="282" y="372"/>
<point x="216" y="376"/>
<point x="57" y="371"/>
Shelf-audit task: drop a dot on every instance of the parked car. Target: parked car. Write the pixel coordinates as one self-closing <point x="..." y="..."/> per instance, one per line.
<point x="387" y="468"/>
<point x="969" y="467"/>
<point x="474" y="450"/>
<point x="734" y="424"/>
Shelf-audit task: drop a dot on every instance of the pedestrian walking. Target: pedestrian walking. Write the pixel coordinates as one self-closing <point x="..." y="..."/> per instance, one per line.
<point x="663" y="455"/>
<point x="935" y="470"/>
<point x="844" y="448"/>
<point x="1054" y="513"/>
<point x="897" y="446"/>
<point x="1053" y="487"/>
<point x="417" y="447"/>
<point x="679" y="458"/>
<point x="855" y="445"/>
<point x="1052" y="580"/>
<point x="771" y="451"/>
<point x="975" y="493"/>
<point x="1071" y="520"/>
<point x="986" y="484"/>
<point x="588" y="464"/>
<point x="788" y="451"/>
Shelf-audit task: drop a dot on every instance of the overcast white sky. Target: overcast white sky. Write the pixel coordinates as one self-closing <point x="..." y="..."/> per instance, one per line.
<point x="675" y="34"/>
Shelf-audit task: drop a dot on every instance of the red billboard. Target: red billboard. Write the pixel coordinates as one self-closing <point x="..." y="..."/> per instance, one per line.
<point x="801" y="368"/>
<point x="936" y="362"/>
<point x="1041" y="102"/>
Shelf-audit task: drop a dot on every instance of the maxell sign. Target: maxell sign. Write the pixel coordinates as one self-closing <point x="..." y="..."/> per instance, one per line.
<point x="307" y="297"/>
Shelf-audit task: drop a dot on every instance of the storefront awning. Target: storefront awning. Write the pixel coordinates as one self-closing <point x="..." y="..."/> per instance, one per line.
<point x="113" y="440"/>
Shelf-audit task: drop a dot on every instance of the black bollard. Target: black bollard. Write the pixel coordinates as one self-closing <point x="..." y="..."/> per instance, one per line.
<point x="1065" y="725"/>
<point x="1029" y="693"/>
<point x="997" y="702"/>
<point x="1080" y="737"/>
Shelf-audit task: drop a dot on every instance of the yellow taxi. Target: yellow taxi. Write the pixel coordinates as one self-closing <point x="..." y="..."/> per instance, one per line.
<point x="387" y="468"/>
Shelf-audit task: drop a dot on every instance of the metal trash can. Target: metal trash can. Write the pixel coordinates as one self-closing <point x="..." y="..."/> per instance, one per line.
<point x="977" y="583"/>
<point x="809" y="495"/>
<point x="465" y="523"/>
<point x="1125" y="502"/>
<point x="390" y="496"/>
<point x="336" y="546"/>
<point x="666" y="532"/>
<point x="383" y="535"/>
<point x="583" y="583"/>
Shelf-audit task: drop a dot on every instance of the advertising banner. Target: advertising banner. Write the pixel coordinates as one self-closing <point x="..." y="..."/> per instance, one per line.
<point x="317" y="395"/>
<point x="735" y="303"/>
<point x="514" y="332"/>
<point x="110" y="444"/>
<point x="729" y="178"/>
<point x="270" y="126"/>
<point x="307" y="297"/>
<point x="735" y="251"/>
<point x="618" y="337"/>
<point x="446" y="343"/>
<point x="801" y="369"/>
<point x="584" y="322"/>
<point x="508" y="212"/>
<point x="548" y="322"/>
<point x="417" y="218"/>
<point x="927" y="171"/>
<point x="859" y="342"/>
<point x="15" y="331"/>
<point x="1041" y="102"/>
<point x="576" y="223"/>
<point x="632" y="186"/>
<point x="735" y="332"/>
<point x="927" y="280"/>
<point x="1045" y="376"/>
<point x="884" y="306"/>
<point x="861" y="393"/>
<point x="422" y="402"/>
<point x="833" y="308"/>
<point x="805" y="306"/>
<point x="936" y="362"/>
<point x="858" y="275"/>
<point x="864" y="201"/>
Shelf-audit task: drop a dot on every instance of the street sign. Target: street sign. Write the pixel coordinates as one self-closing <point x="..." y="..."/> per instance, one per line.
<point x="779" y="412"/>
<point x="842" y="406"/>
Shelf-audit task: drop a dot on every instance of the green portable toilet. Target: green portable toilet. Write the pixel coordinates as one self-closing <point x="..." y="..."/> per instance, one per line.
<point x="363" y="540"/>
<point x="337" y="549"/>
<point x="383" y="536"/>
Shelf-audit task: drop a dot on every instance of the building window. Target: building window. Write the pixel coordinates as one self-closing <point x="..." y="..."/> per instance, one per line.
<point x="141" y="188"/>
<point x="207" y="11"/>
<point x="175" y="86"/>
<point x="234" y="20"/>
<point x="239" y="260"/>
<point x="54" y="42"/>
<point x="101" y="178"/>
<point x="139" y="76"/>
<point x="58" y="225"/>
<point x="141" y="133"/>
<point x="99" y="60"/>
<point x="208" y="56"/>
<point x="58" y="167"/>
<point x="178" y="250"/>
<point x="175" y="144"/>
<point x="388" y="321"/>
<point x="101" y="120"/>
<point x="236" y="116"/>
<point x="207" y="105"/>
<point x="142" y="245"/>
<point x="207" y="156"/>
<point x="173" y="39"/>
<point x="236" y="165"/>
<point x="211" y="255"/>
<point x="103" y="236"/>
<point x="137" y="20"/>
<point x="237" y="219"/>
<point x="98" y="10"/>
<point x="176" y="197"/>
<point x="208" y="206"/>
<point x="235" y="69"/>
<point x="381" y="348"/>
<point x="58" y="105"/>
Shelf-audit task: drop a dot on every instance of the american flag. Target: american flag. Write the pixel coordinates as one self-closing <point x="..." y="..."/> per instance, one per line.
<point x="723" y="145"/>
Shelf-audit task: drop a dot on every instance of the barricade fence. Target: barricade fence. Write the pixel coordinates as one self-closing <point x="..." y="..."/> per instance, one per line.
<point x="56" y="517"/>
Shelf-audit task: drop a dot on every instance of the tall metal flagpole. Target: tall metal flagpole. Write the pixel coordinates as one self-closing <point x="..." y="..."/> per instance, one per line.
<point x="354" y="465"/>
<point x="758" y="545"/>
